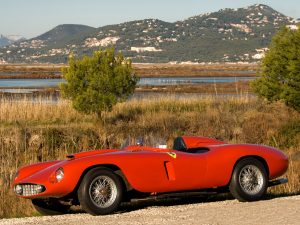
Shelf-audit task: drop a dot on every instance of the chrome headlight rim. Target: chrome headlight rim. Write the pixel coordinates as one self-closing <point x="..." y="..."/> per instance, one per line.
<point x="59" y="174"/>
<point x="18" y="189"/>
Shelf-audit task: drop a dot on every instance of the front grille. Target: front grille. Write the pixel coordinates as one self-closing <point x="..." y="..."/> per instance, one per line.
<point x="29" y="189"/>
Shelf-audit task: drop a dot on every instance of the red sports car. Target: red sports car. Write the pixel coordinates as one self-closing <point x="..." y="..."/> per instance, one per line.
<point x="100" y="180"/>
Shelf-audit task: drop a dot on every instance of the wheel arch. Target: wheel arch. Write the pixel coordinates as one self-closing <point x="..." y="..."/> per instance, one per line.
<point x="117" y="170"/>
<point x="259" y="158"/>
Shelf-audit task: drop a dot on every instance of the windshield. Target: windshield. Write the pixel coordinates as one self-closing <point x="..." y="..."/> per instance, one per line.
<point x="145" y="141"/>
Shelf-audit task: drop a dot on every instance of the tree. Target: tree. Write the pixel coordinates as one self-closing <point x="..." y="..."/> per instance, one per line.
<point x="95" y="84"/>
<point x="279" y="76"/>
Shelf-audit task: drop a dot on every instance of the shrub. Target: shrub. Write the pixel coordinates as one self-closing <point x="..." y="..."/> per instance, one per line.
<point x="279" y="77"/>
<point x="95" y="84"/>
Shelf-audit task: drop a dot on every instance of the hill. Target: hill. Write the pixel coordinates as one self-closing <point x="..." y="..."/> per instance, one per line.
<point x="229" y="35"/>
<point x="7" y="40"/>
<point x="4" y="40"/>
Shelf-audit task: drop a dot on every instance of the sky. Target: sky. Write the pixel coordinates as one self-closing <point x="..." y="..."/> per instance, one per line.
<point x="31" y="18"/>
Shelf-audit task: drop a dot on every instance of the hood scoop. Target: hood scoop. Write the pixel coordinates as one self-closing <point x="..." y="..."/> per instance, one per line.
<point x="70" y="156"/>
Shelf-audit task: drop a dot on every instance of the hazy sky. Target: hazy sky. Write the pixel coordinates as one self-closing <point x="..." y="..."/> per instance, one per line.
<point x="30" y="18"/>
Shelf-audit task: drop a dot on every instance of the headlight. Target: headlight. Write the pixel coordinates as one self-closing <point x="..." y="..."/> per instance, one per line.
<point x="56" y="176"/>
<point x="59" y="174"/>
<point x="19" y="189"/>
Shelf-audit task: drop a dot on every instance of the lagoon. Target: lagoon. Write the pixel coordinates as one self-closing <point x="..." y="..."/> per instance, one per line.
<point x="155" y="81"/>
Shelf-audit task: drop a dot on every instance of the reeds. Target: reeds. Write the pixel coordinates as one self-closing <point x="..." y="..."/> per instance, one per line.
<point x="235" y="88"/>
<point x="142" y="70"/>
<point x="40" y="130"/>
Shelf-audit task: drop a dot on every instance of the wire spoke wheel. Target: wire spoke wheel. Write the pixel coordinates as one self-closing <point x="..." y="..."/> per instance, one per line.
<point x="251" y="179"/>
<point x="103" y="191"/>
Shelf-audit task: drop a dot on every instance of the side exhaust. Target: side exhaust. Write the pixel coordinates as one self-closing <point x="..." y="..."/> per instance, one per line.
<point x="278" y="182"/>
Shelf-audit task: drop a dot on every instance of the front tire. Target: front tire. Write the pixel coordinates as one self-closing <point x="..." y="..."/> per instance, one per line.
<point x="100" y="192"/>
<point x="249" y="181"/>
<point x="50" y="207"/>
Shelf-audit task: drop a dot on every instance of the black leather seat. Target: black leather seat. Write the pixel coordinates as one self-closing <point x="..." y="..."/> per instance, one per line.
<point x="179" y="144"/>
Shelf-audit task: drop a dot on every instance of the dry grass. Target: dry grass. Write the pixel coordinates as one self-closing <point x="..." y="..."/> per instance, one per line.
<point x="237" y="88"/>
<point x="38" y="131"/>
<point x="197" y="70"/>
<point x="142" y="70"/>
<point x="32" y="76"/>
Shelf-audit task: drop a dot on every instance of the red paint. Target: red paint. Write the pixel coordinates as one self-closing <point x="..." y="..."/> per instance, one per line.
<point x="170" y="171"/>
<point x="150" y="169"/>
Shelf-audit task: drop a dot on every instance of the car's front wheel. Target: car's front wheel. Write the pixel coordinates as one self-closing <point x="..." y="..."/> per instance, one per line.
<point x="100" y="192"/>
<point x="50" y="206"/>
<point x="249" y="181"/>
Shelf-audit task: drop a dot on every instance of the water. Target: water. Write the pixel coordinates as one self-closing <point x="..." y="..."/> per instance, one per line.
<point x="160" y="81"/>
<point x="29" y="83"/>
<point x="155" y="81"/>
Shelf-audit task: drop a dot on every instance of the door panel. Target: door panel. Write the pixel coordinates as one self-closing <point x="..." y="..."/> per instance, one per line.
<point x="164" y="171"/>
<point x="187" y="171"/>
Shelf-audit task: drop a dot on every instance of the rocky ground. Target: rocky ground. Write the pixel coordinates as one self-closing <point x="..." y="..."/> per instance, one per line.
<point x="285" y="210"/>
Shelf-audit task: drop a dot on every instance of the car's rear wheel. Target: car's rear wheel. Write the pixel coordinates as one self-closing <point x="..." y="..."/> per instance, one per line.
<point x="50" y="206"/>
<point x="249" y="181"/>
<point x="100" y="192"/>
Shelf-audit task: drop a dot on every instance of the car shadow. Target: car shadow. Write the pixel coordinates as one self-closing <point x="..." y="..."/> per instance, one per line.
<point x="171" y="201"/>
<point x="176" y="201"/>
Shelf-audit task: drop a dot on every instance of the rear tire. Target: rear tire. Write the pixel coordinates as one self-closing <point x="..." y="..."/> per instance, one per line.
<point x="50" y="206"/>
<point x="101" y="191"/>
<point x="249" y="181"/>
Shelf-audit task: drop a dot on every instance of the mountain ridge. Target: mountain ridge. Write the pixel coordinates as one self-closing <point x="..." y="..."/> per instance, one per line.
<point x="9" y="39"/>
<point x="228" y="35"/>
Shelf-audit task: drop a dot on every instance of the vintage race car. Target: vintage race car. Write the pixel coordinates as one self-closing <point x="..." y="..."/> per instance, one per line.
<point x="100" y="180"/>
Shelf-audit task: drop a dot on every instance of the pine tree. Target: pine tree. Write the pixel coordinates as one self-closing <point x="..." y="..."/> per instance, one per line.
<point x="95" y="84"/>
<point x="279" y="76"/>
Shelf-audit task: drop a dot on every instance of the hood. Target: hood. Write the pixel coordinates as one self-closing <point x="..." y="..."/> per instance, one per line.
<point x="90" y="153"/>
<point x="27" y="171"/>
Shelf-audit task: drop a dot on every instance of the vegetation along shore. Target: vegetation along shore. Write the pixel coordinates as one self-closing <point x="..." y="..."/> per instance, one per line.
<point x="46" y="71"/>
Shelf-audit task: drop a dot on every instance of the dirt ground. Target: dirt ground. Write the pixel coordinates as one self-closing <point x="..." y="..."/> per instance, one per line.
<point x="283" y="211"/>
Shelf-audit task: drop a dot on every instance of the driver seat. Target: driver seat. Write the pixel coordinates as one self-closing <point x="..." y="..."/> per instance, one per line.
<point x="179" y="145"/>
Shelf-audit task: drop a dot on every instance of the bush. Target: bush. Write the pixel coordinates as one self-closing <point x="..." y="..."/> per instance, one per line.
<point x="279" y="77"/>
<point x="95" y="84"/>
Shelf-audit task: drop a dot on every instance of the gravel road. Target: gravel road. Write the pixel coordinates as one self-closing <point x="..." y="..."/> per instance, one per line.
<point x="285" y="210"/>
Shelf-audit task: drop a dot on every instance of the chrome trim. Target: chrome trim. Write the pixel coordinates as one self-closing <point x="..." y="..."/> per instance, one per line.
<point x="29" y="189"/>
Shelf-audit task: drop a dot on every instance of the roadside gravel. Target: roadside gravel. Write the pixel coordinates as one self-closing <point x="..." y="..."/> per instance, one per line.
<point x="285" y="210"/>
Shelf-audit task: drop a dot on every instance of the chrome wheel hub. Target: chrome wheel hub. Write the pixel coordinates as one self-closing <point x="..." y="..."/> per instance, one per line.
<point x="103" y="191"/>
<point x="251" y="179"/>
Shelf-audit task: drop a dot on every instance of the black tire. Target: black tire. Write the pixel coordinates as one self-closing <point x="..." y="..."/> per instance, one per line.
<point x="90" y="192"/>
<point x="245" y="187"/>
<point x="50" y="206"/>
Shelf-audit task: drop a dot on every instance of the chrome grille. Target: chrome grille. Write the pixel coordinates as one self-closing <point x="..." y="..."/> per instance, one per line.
<point x="29" y="189"/>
